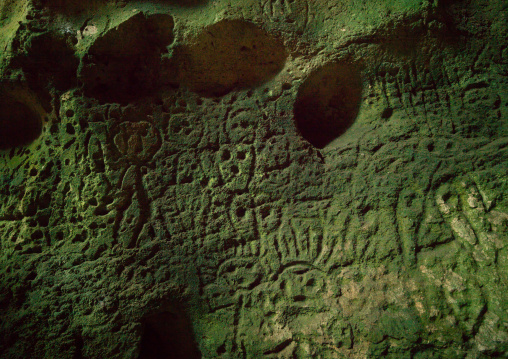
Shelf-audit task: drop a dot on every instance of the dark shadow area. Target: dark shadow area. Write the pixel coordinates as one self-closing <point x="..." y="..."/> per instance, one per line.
<point x="228" y="55"/>
<point x="456" y="15"/>
<point x="168" y="335"/>
<point x="19" y="124"/>
<point x="124" y="64"/>
<point x="50" y="60"/>
<point x="328" y="103"/>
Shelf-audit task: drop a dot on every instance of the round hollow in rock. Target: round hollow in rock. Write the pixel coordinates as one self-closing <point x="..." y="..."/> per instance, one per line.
<point x="327" y="103"/>
<point x="228" y="55"/>
<point x="124" y="64"/>
<point x="20" y="122"/>
<point x="50" y="58"/>
<point x="168" y="334"/>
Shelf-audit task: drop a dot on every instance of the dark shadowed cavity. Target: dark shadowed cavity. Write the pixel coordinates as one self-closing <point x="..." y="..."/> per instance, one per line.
<point x="328" y="102"/>
<point x="124" y="64"/>
<point x="229" y="55"/>
<point x="50" y="60"/>
<point x="19" y="124"/>
<point x="168" y="335"/>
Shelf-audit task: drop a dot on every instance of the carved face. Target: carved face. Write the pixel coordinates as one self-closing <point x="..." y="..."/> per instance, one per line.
<point x="290" y="179"/>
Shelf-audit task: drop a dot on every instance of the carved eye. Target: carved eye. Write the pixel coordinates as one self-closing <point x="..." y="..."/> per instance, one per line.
<point x="20" y="121"/>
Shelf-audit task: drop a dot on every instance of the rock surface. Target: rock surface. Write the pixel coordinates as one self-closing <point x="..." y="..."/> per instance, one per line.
<point x="253" y="179"/>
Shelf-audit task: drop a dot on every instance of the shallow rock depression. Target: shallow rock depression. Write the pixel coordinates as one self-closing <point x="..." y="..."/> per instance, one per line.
<point x="253" y="179"/>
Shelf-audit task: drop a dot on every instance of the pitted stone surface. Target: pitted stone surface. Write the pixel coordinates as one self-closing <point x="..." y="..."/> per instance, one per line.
<point x="253" y="179"/>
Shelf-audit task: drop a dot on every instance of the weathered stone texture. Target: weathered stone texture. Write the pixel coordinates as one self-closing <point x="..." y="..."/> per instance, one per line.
<point x="253" y="179"/>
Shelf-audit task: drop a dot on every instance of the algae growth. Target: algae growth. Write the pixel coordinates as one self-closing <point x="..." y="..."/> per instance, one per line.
<point x="253" y="179"/>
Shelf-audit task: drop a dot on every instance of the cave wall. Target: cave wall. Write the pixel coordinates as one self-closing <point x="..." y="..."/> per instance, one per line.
<point x="253" y="179"/>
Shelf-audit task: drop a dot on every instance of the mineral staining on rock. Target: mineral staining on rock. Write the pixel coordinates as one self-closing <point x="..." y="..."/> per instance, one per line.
<point x="275" y="179"/>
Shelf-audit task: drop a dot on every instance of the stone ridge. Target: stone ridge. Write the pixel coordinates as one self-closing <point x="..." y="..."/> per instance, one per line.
<point x="253" y="179"/>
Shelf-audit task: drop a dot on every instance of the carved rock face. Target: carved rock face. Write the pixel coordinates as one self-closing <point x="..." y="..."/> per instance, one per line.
<point x="279" y="179"/>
